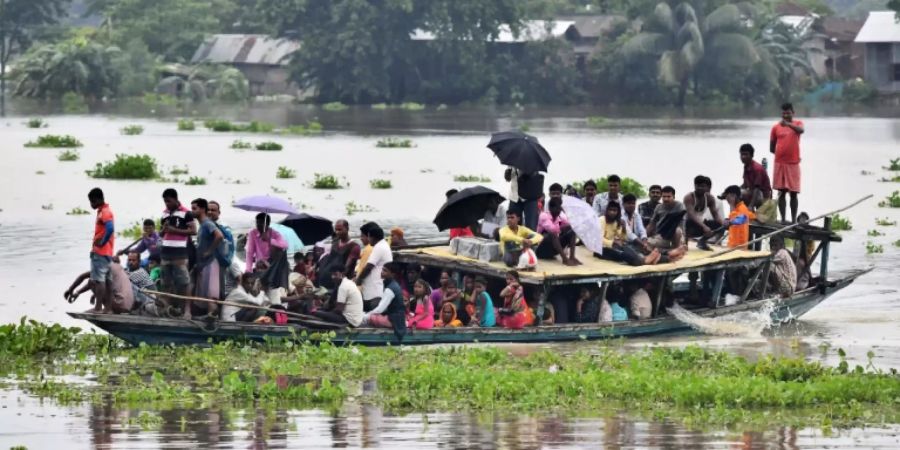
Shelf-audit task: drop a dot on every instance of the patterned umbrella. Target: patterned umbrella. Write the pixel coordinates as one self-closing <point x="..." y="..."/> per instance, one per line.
<point x="584" y="222"/>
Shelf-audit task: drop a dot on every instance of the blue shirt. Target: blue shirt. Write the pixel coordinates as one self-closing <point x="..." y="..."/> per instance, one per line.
<point x="618" y="312"/>
<point x="487" y="310"/>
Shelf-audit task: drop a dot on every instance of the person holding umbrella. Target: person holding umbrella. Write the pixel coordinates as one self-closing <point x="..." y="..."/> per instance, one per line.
<point x="267" y="245"/>
<point x="526" y="159"/>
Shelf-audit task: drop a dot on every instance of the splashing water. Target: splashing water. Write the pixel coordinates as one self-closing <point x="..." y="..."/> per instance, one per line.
<point x="744" y="323"/>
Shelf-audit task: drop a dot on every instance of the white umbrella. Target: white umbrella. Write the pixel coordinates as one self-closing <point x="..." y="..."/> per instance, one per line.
<point x="584" y="222"/>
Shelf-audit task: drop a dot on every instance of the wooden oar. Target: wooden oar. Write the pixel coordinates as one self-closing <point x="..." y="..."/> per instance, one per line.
<point x="791" y="226"/>
<point x="239" y="305"/>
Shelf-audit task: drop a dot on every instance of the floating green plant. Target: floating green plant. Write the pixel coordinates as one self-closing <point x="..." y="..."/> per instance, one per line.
<point x="891" y="201"/>
<point x="179" y="170"/>
<point x="223" y="126"/>
<point x="195" y="181"/>
<point x="894" y="179"/>
<point x="874" y="233"/>
<point x="873" y="248"/>
<point x="126" y="167"/>
<point x="595" y="121"/>
<point x="238" y="144"/>
<point x="840" y="223"/>
<point x="379" y="183"/>
<point x="326" y="181"/>
<point x="471" y="179"/>
<point x="132" y="130"/>
<point x="885" y="222"/>
<point x="36" y="123"/>
<point x="352" y="208"/>
<point x="269" y="146"/>
<point x="55" y="141"/>
<point x="78" y="211"/>
<point x="311" y="128"/>
<point x="412" y="106"/>
<point x="68" y="155"/>
<point x="186" y="125"/>
<point x="334" y="106"/>
<point x="894" y="164"/>
<point x="626" y="186"/>
<point x="285" y="172"/>
<point x="392" y="142"/>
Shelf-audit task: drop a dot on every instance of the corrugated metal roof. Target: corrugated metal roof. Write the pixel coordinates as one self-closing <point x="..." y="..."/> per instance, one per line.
<point x="245" y="49"/>
<point x="880" y="26"/>
<point x="532" y="30"/>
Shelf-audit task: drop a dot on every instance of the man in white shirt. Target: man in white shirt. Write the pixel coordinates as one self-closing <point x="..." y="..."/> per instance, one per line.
<point x="244" y="293"/>
<point x="494" y="219"/>
<point x="347" y="308"/>
<point x="612" y="182"/>
<point x="370" y="277"/>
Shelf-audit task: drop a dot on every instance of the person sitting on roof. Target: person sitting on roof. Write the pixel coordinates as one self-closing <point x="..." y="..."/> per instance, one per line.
<point x="447" y="317"/>
<point x="514" y="238"/>
<point x="666" y="226"/>
<point x="558" y="238"/>
<point x="420" y="315"/>
<point x="616" y="239"/>
<point x="739" y="219"/>
<point x="703" y="215"/>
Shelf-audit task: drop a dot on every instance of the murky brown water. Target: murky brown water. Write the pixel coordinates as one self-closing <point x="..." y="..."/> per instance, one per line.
<point x="42" y="249"/>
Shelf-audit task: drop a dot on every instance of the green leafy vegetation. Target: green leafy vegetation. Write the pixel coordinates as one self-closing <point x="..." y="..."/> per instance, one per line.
<point x="179" y="170"/>
<point x="897" y="243"/>
<point x="412" y="106"/>
<point x="352" y="208"/>
<point x="269" y="146"/>
<point x="627" y="186"/>
<point x="195" y="181"/>
<point x="36" y="123"/>
<point x="840" y="223"/>
<point x="186" y="125"/>
<point x="285" y="172"/>
<point x="132" y="130"/>
<point x="311" y="128"/>
<point x="874" y="233"/>
<point x="326" y="181"/>
<point x="392" y="142"/>
<point x="894" y="165"/>
<point x="891" y="201"/>
<point x="334" y="106"/>
<point x="241" y="145"/>
<point x="471" y="179"/>
<point x="68" y="155"/>
<point x="885" y="222"/>
<point x="126" y="167"/>
<point x="380" y="184"/>
<point x="223" y="126"/>
<point x="894" y="179"/>
<point x="74" y="103"/>
<point x="77" y="211"/>
<point x="873" y="248"/>
<point x="54" y="141"/>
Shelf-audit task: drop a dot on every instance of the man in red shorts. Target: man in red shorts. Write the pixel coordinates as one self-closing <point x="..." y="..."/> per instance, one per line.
<point x="784" y="142"/>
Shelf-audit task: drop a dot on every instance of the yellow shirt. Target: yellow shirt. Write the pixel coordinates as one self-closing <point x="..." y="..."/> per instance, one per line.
<point x="514" y="240"/>
<point x="611" y="232"/>
<point x="363" y="259"/>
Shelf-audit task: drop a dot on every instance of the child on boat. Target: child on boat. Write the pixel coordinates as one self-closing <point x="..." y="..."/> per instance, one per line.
<point x="420" y="312"/>
<point x="482" y="307"/>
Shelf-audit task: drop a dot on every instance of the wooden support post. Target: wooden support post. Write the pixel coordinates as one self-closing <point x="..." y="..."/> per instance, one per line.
<point x="657" y="300"/>
<point x="717" y="287"/>
<point x="823" y="264"/>
<point x="753" y="279"/>
<point x="603" y="288"/>
<point x="765" y="280"/>
<point x="540" y="307"/>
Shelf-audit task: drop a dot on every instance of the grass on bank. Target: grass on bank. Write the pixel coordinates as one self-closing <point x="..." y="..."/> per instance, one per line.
<point x="126" y="167"/>
<point x="54" y="141"/>
<point x="698" y="386"/>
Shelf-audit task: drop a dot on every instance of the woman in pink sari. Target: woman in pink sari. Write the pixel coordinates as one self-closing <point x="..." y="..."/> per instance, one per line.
<point x="513" y="314"/>
<point x="420" y="311"/>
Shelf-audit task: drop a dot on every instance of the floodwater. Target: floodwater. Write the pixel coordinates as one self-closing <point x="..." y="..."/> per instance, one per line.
<point x="42" y="249"/>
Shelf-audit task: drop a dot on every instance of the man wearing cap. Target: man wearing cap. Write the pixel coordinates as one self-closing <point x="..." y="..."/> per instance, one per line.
<point x="739" y="219"/>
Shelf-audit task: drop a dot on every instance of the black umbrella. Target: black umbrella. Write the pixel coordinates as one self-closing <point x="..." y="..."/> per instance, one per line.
<point x="309" y="228"/>
<point x="466" y="207"/>
<point x="520" y="150"/>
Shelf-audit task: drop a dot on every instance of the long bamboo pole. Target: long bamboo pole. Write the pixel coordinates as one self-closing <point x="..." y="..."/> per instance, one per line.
<point x="224" y="303"/>
<point x="789" y="227"/>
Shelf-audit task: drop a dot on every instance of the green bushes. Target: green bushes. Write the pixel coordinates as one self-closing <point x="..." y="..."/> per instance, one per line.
<point x="380" y="184"/>
<point x="873" y="248"/>
<point x="840" y="223"/>
<point x="126" y="167"/>
<point x="195" y="181"/>
<point x="68" y="155"/>
<point x="132" y="130"/>
<point x="268" y="146"/>
<point x="36" y="123"/>
<point x="285" y="173"/>
<point x="894" y="165"/>
<point x="326" y="181"/>
<point x="626" y="186"/>
<point x="311" y="128"/>
<point x="891" y="201"/>
<point x="186" y="125"/>
<point x="392" y="142"/>
<point x="55" y="141"/>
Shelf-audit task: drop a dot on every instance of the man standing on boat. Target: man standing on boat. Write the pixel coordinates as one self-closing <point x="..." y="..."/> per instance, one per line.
<point x="101" y="250"/>
<point x="524" y="191"/>
<point x="178" y="226"/>
<point x="784" y="142"/>
<point x="369" y="279"/>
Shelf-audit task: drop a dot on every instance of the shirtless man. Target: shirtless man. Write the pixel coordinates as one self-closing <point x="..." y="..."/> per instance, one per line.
<point x="703" y="215"/>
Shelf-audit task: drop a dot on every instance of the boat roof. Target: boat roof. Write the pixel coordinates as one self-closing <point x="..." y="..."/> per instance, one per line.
<point x="593" y="270"/>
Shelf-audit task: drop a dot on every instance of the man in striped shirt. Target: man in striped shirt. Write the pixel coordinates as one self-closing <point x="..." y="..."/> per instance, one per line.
<point x="178" y="226"/>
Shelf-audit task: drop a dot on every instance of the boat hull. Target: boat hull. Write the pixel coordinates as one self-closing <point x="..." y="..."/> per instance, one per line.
<point x="158" y="331"/>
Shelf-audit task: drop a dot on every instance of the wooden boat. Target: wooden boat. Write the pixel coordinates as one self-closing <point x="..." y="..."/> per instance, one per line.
<point x="552" y="276"/>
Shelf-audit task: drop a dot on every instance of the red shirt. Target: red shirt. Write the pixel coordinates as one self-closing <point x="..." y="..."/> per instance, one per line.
<point x="756" y="177"/>
<point x="787" y="143"/>
<point x="460" y="232"/>
<point x="104" y="216"/>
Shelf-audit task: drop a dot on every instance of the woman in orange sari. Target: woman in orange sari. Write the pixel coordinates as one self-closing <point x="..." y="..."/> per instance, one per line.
<point x="514" y="313"/>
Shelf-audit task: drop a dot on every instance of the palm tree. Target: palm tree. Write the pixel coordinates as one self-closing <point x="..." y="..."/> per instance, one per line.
<point x="76" y="65"/>
<point x="785" y="54"/>
<point x="681" y="42"/>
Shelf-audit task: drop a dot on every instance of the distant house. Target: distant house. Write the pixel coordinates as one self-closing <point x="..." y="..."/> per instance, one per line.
<point x="881" y="37"/>
<point x="531" y="31"/>
<point x="586" y="32"/>
<point x="262" y="59"/>
<point x="844" y="58"/>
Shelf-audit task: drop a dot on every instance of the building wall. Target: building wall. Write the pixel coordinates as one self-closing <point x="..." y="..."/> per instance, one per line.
<point x="883" y="66"/>
<point x="268" y="80"/>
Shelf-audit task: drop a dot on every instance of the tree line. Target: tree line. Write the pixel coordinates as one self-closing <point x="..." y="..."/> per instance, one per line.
<point x="361" y="51"/>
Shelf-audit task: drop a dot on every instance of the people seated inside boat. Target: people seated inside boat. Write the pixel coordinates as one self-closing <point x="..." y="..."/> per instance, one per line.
<point x="149" y="241"/>
<point x="397" y="239"/>
<point x="616" y="240"/>
<point x="618" y="312"/>
<point x="558" y="238"/>
<point x="299" y="263"/>
<point x="646" y="209"/>
<point x="300" y="296"/>
<point x="447" y="317"/>
<point x="411" y="273"/>
<point x="494" y="219"/>
<point x="738" y="219"/>
<point x="390" y="311"/>
<point x="209" y="281"/>
<point x="549" y="315"/>
<point x="370" y="277"/>
<point x="665" y="229"/>
<point x="118" y="295"/>
<point x="703" y="215"/>
<point x="342" y="253"/>
<point x="468" y="286"/>
<point x="366" y="248"/>
<point x="512" y="313"/>
<point x="783" y="276"/>
<point x="640" y="305"/>
<point x="803" y="257"/>
<point x="587" y="307"/>
<point x="137" y="274"/>
<point x="264" y="244"/>
<point x="441" y="291"/>
<point x="154" y="268"/>
<point x="481" y="310"/>
<point x="247" y="292"/>
<point x="555" y="191"/>
<point x="612" y="194"/>
<point x="590" y="192"/>
<point x="347" y="307"/>
<point x="515" y="237"/>
<point x="420" y="315"/>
